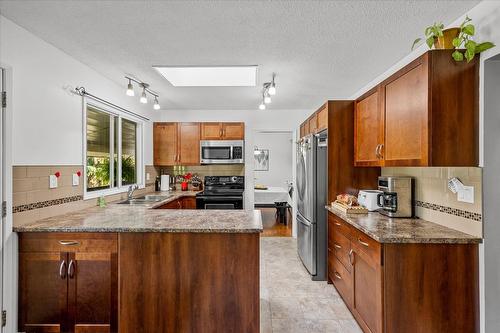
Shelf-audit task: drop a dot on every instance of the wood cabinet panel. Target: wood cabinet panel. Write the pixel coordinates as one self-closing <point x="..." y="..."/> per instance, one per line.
<point x="189" y="282"/>
<point x="342" y="248"/>
<point x="406" y="118"/>
<point x="233" y="131"/>
<point x="302" y="130"/>
<point x="68" y="242"/>
<point x="189" y="143"/>
<point x="322" y="118"/>
<point x="313" y="123"/>
<point x="368" y="128"/>
<point x="340" y="226"/>
<point x="188" y="203"/>
<point x="363" y="243"/>
<point x="165" y="144"/>
<point x="341" y="278"/>
<point x="42" y="292"/>
<point x="211" y="131"/>
<point x="367" y="292"/>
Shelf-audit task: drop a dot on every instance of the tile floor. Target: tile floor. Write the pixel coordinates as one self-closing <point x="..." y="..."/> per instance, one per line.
<point x="290" y="301"/>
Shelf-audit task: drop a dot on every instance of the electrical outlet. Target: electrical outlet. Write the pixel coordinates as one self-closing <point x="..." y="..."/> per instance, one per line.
<point x="466" y="194"/>
<point x="76" y="179"/>
<point x="148" y="176"/>
<point x="52" y="181"/>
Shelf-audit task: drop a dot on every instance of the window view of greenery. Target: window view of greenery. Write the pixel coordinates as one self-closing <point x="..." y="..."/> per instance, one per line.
<point x="129" y="152"/>
<point x="99" y="175"/>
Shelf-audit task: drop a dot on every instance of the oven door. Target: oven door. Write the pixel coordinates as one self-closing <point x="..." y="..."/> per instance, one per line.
<point x="219" y="202"/>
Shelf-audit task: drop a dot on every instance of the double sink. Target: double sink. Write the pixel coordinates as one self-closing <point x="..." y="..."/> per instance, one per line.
<point x="146" y="199"/>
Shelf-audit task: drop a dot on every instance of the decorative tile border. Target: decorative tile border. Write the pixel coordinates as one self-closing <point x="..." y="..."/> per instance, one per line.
<point x="452" y="211"/>
<point x="47" y="203"/>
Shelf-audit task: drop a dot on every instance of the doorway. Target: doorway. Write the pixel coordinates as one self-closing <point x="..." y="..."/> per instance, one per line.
<point x="273" y="178"/>
<point x="491" y="193"/>
<point x="3" y="207"/>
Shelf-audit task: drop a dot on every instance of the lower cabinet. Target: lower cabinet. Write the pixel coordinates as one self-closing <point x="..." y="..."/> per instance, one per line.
<point x="402" y="287"/>
<point x="68" y="283"/>
<point x="181" y="203"/>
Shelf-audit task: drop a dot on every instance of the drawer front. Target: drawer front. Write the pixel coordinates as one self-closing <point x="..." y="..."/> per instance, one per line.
<point x="341" y="248"/>
<point x="369" y="246"/>
<point x="340" y="225"/>
<point x="68" y="242"/>
<point x="341" y="278"/>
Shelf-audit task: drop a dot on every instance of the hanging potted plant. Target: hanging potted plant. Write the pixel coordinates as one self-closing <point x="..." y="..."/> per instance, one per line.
<point x="459" y="38"/>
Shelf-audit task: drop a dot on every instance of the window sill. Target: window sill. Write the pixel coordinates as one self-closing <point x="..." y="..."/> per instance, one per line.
<point x="108" y="192"/>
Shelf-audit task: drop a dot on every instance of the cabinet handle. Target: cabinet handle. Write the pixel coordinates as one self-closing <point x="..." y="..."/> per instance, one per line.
<point x="220" y="133"/>
<point x="337" y="246"/>
<point x="71" y="269"/>
<point x="68" y="242"/>
<point x="377" y="151"/>
<point x="380" y="151"/>
<point x="350" y="256"/>
<point x="363" y="243"/>
<point x="336" y="223"/>
<point x="62" y="270"/>
<point x="337" y="275"/>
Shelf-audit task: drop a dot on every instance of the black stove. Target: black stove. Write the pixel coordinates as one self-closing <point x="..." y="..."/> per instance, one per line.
<point x="221" y="192"/>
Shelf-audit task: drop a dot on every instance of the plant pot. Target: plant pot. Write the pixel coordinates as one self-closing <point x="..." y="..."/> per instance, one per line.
<point x="445" y="42"/>
<point x="184" y="186"/>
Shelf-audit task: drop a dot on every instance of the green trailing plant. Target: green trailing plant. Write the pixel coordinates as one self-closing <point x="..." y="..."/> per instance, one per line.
<point x="430" y="33"/>
<point x="464" y="41"/>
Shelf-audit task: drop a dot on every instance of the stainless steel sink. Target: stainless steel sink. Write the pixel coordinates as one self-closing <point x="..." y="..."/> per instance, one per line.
<point x="146" y="199"/>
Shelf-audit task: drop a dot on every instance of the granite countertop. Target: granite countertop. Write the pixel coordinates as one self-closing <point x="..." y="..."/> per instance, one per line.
<point x="404" y="230"/>
<point x="144" y="218"/>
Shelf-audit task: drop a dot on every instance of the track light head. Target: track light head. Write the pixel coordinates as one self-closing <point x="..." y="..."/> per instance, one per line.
<point x="144" y="98"/>
<point x="272" y="89"/>
<point x="262" y="106"/>
<point x="130" y="88"/>
<point x="156" y="106"/>
<point x="267" y="99"/>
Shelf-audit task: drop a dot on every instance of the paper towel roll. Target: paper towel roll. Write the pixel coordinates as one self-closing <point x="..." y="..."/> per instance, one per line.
<point x="165" y="183"/>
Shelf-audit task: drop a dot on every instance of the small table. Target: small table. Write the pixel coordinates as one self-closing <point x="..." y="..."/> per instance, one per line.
<point x="277" y="197"/>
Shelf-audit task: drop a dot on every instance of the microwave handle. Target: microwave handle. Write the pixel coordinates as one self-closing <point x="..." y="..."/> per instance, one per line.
<point x="231" y="156"/>
<point x="380" y="195"/>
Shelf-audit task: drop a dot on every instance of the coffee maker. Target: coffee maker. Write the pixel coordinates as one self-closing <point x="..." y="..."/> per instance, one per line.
<point x="397" y="197"/>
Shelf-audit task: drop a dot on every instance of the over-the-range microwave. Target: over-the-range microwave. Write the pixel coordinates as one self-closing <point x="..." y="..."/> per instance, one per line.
<point x="222" y="151"/>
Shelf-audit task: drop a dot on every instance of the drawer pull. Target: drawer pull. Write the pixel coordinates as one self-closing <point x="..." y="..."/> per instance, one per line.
<point x="337" y="275"/>
<point x="68" y="242"/>
<point x="71" y="269"/>
<point x="363" y="243"/>
<point x="350" y="257"/>
<point x="62" y="270"/>
<point x="337" y="246"/>
<point x="336" y="223"/>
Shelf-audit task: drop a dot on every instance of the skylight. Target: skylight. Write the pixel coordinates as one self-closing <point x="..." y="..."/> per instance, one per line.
<point x="209" y="76"/>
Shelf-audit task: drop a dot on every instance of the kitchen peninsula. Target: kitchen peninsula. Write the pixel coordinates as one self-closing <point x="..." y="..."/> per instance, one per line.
<point x="134" y="268"/>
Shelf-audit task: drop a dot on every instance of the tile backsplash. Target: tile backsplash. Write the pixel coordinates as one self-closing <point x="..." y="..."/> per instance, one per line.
<point x="207" y="170"/>
<point x="436" y="203"/>
<point x="33" y="199"/>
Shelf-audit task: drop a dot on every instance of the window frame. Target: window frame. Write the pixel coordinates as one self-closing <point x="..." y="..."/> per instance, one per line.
<point x="140" y="168"/>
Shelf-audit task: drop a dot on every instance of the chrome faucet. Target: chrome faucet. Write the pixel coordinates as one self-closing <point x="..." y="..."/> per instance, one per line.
<point x="131" y="190"/>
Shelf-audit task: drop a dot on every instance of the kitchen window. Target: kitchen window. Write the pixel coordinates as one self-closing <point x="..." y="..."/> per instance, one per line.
<point x="113" y="158"/>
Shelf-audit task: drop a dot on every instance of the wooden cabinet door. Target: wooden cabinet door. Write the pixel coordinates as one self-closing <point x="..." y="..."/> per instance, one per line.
<point x="42" y="292"/>
<point x="302" y="130"/>
<point x="188" y="203"/>
<point x="93" y="292"/>
<point x="233" y="131"/>
<point x="322" y="118"/>
<point x="367" y="292"/>
<point x="165" y="144"/>
<point x="313" y="123"/>
<point x="175" y="204"/>
<point x="368" y="130"/>
<point x="189" y="143"/>
<point x="406" y="118"/>
<point x="211" y="131"/>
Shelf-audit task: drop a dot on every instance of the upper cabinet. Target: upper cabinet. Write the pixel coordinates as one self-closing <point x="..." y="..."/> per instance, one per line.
<point x="313" y="123"/>
<point x="322" y="118"/>
<point x="176" y="144"/>
<point x="426" y="114"/>
<point x="223" y="131"/>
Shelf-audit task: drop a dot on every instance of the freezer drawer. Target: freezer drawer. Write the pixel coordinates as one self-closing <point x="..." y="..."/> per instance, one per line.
<point x="306" y="243"/>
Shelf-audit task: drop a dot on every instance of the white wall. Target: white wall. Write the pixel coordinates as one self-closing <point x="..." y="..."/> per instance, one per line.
<point x="255" y="120"/>
<point x="47" y="119"/>
<point x="280" y="146"/>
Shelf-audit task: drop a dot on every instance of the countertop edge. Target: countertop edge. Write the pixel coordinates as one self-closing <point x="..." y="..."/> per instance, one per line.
<point x="402" y="240"/>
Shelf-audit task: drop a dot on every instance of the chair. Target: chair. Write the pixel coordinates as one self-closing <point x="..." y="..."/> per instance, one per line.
<point x="282" y="208"/>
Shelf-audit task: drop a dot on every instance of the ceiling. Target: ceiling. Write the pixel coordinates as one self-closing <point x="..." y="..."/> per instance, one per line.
<point x="319" y="50"/>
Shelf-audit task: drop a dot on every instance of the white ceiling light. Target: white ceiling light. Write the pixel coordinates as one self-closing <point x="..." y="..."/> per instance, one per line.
<point x="144" y="98"/>
<point x="209" y="76"/>
<point x="156" y="106"/>
<point x="268" y="89"/>
<point x="267" y="98"/>
<point x="130" y="88"/>
<point x="262" y="106"/>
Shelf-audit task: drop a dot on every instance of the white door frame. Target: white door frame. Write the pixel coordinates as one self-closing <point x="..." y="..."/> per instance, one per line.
<point x="2" y="184"/>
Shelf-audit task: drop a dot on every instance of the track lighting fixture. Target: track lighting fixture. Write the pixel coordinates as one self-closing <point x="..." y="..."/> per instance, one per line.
<point x="130" y="88"/>
<point x="268" y="90"/>
<point x="145" y="90"/>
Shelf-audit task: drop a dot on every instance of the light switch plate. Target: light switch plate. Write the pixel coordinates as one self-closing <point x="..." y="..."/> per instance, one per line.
<point x="466" y="194"/>
<point x="147" y="176"/>
<point x="52" y="181"/>
<point x="76" y="180"/>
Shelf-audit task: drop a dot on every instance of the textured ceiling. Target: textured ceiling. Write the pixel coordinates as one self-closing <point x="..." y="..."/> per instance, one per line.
<point x="319" y="50"/>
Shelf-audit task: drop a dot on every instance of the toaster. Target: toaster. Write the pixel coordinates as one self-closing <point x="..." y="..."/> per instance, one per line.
<point x="368" y="199"/>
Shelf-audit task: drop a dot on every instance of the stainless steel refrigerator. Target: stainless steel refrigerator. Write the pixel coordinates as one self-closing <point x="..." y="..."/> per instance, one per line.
<point x="312" y="180"/>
